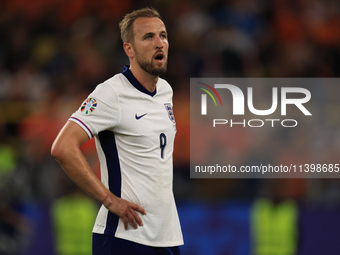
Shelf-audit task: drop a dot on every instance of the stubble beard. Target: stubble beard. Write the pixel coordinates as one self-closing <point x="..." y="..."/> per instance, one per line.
<point x="149" y="67"/>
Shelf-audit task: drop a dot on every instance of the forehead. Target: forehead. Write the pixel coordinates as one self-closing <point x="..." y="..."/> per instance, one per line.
<point x="142" y="26"/>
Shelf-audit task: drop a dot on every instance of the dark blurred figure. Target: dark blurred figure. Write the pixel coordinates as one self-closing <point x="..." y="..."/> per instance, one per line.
<point x="14" y="225"/>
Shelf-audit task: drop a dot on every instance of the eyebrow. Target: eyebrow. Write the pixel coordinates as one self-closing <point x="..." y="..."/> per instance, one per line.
<point x="148" y="34"/>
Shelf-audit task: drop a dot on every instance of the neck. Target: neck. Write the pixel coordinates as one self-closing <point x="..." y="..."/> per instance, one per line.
<point x="147" y="80"/>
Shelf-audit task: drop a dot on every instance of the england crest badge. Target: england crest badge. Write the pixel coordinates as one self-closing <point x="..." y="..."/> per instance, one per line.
<point x="171" y="116"/>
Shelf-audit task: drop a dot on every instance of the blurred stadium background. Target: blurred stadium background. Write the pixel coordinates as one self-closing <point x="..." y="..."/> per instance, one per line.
<point x="53" y="53"/>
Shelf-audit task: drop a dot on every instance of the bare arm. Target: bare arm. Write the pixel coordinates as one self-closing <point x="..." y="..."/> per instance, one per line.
<point x="66" y="150"/>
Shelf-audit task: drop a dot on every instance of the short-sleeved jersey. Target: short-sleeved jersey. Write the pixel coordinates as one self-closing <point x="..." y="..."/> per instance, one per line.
<point x="134" y="131"/>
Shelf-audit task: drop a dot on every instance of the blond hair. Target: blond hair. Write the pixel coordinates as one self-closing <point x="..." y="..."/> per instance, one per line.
<point x="126" y="25"/>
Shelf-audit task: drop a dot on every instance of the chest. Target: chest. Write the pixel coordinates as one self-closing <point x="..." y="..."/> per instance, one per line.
<point x="147" y="121"/>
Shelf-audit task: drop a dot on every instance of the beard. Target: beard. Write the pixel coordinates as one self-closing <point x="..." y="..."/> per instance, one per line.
<point x="149" y="67"/>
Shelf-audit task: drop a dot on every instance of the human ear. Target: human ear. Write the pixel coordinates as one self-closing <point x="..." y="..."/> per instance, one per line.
<point x="128" y="49"/>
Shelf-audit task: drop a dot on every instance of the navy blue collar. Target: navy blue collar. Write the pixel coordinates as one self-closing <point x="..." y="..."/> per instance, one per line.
<point x="132" y="79"/>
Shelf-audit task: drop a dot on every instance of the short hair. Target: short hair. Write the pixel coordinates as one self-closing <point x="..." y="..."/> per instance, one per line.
<point x="126" y="25"/>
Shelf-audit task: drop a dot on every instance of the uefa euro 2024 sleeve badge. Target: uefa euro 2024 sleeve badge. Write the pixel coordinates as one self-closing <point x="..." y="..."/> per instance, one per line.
<point x="89" y="105"/>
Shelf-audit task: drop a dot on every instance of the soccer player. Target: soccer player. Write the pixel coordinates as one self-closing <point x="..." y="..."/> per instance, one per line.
<point x="131" y="117"/>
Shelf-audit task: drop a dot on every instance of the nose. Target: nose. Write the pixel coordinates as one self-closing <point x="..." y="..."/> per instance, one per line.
<point x="159" y="42"/>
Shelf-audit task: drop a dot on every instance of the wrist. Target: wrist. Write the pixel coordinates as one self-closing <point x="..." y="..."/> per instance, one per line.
<point x="108" y="200"/>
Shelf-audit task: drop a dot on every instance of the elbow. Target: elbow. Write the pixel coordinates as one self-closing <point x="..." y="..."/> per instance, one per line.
<point x="62" y="150"/>
<point x="57" y="150"/>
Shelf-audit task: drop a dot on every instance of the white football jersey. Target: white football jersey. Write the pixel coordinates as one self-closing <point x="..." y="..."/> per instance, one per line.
<point x="134" y="131"/>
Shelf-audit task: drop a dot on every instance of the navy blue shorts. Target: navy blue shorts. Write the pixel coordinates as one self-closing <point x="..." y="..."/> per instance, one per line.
<point x="110" y="245"/>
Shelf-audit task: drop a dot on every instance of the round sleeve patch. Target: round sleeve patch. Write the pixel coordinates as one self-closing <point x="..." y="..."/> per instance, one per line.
<point x="89" y="105"/>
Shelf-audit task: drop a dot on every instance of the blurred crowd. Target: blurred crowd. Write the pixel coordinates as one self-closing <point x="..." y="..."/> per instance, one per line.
<point x="53" y="54"/>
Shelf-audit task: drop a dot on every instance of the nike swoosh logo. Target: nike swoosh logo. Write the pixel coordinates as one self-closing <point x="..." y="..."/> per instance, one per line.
<point x="141" y="116"/>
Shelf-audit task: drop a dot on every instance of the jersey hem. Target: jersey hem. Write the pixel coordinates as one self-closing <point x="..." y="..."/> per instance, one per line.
<point x="150" y="243"/>
<point x="102" y="230"/>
